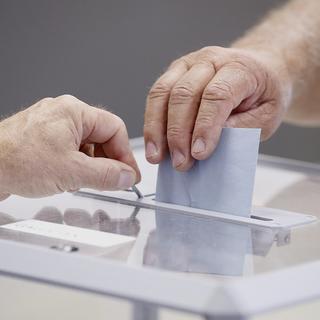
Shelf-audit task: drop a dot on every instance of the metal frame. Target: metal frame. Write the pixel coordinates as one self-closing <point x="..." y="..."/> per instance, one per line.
<point x="260" y="217"/>
<point x="210" y="298"/>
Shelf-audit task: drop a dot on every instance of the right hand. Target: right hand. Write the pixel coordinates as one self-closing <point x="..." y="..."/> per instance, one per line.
<point x="62" y="144"/>
<point x="207" y="90"/>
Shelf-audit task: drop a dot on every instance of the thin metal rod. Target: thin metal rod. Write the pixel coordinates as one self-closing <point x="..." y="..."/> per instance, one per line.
<point x="137" y="192"/>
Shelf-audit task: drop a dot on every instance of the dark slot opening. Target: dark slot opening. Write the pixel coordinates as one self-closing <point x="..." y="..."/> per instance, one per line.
<point x="260" y="218"/>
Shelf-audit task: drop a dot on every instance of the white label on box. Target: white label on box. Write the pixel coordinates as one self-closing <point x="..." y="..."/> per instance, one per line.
<point x="69" y="233"/>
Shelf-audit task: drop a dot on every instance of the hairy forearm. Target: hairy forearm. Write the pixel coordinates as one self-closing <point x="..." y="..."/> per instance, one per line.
<point x="5" y="150"/>
<point x="10" y="131"/>
<point x="3" y="155"/>
<point x="291" y="36"/>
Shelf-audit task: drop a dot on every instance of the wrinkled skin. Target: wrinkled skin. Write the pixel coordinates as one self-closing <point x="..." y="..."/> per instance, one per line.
<point x="62" y="144"/>
<point x="207" y="90"/>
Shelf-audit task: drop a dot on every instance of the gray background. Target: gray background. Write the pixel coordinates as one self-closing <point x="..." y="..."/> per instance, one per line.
<point x="110" y="52"/>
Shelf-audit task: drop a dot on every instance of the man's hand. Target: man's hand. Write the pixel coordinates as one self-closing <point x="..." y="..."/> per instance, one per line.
<point x="207" y="90"/>
<point x="62" y="144"/>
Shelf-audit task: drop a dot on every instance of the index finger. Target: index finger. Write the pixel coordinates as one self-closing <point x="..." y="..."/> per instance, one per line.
<point x="102" y="127"/>
<point x="155" y="122"/>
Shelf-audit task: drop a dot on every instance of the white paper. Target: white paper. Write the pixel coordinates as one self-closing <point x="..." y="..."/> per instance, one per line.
<point x="148" y="172"/>
<point x="68" y="233"/>
<point x="224" y="182"/>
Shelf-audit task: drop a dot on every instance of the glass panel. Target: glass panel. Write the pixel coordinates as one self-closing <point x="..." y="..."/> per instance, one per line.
<point x="22" y="299"/>
<point x="183" y="243"/>
<point x="307" y="311"/>
<point x="165" y="240"/>
<point x="52" y="302"/>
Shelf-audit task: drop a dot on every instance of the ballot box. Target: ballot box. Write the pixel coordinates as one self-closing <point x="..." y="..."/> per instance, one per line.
<point x="114" y="255"/>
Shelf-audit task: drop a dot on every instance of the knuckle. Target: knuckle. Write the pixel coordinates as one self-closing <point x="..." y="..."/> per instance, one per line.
<point x="67" y="99"/>
<point x="175" y="133"/>
<point x="120" y="123"/>
<point x="149" y="127"/>
<point x="205" y="63"/>
<point x="45" y="100"/>
<point x="205" y="49"/>
<point x="175" y="62"/>
<point x="208" y="49"/>
<point x="159" y="89"/>
<point x="206" y="119"/>
<point x="110" y="177"/>
<point x="218" y="91"/>
<point x="185" y="60"/>
<point x="43" y="103"/>
<point x="209" y="52"/>
<point x="182" y="92"/>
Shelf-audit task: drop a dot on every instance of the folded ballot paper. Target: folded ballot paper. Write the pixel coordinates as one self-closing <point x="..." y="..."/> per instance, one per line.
<point x="224" y="182"/>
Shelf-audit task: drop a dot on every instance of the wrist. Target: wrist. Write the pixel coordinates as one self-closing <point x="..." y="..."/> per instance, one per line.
<point x="275" y="64"/>
<point x="273" y="58"/>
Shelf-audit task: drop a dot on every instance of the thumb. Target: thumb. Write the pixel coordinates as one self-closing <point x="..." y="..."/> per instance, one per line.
<point x="102" y="173"/>
<point x="264" y="116"/>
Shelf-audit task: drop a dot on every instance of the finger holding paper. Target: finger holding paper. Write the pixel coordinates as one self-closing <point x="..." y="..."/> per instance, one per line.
<point x="47" y="149"/>
<point x="221" y="87"/>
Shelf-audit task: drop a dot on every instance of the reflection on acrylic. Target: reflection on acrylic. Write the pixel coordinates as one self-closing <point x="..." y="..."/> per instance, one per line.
<point x="180" y="242"/>
<point x="202" y="245"/>
<point x="75" y="217"/>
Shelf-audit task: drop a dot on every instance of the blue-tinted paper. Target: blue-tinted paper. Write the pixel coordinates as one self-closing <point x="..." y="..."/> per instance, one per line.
<point x="203" y="245"/>
<point x="224" y="182"/>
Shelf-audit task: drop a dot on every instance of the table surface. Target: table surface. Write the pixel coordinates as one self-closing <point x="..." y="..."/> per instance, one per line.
<point x="181" y="244"/>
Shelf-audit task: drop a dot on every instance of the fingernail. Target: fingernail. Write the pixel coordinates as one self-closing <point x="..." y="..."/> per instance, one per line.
<point x="198" y="146"/>
<point x="177" y="158"/>
<point x="151" y="150"/>
<point x="126" y="179"/>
